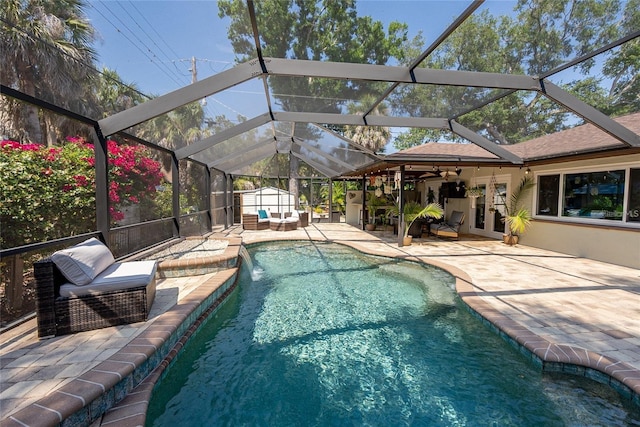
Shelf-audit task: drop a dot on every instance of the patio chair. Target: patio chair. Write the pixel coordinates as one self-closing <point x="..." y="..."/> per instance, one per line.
<point x="255" y="221"/>
<point x="449" y="228"/>
<point x="82" y="288"/>
<point x="303" y="217"/>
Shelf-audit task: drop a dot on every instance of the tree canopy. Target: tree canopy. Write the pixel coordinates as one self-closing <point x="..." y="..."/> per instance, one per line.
<point x="542" y="35"/>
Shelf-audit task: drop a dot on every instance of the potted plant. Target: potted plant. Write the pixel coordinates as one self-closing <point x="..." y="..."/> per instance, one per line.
<point x="373" y="203"/>
<point x="517" y="218"/>
<point x="473" y="193"/>
<point x="412" y="211"/>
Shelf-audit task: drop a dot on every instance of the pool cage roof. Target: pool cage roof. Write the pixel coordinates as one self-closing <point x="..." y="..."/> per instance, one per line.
<point x="291" y="127"/>
<point x="295" y="121"/>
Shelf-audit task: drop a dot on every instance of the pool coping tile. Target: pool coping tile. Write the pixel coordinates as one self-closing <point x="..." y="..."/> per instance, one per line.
<point x="96" y="389"/>
<point x="116" y="391"/>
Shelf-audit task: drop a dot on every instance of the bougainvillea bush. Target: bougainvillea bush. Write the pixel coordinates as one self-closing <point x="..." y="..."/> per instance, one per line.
<point x="49" y="192"/>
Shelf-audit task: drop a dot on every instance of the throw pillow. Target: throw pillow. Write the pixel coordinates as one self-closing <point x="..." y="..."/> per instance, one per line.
<point x="81" y="263"/>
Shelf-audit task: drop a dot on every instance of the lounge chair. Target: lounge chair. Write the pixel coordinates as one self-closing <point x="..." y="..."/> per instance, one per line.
<point x="449" y="228"/>
<point x="82" y="288"/>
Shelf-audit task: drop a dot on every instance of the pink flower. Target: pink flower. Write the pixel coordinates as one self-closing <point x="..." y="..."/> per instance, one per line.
<point x="7" y="143"/>
<point x="81" y="180"/>
<point x="116" y="215"/>
<point x="52" y="154"/>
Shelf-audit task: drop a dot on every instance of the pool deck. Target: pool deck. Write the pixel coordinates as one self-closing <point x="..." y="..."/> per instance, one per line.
<point x="560" y="308"/>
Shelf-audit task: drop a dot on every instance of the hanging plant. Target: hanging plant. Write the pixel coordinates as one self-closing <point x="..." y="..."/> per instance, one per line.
<point x="492" y="193"/>
<point x="474" y="192"/>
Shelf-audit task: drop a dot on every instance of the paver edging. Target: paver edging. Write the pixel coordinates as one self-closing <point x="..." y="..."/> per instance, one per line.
<point x="550" y="357"/>
<point x="131" y="411"/>
<point x="88" y="397"/>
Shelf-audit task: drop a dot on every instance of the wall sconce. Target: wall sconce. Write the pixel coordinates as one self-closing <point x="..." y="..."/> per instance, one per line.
<point x="527" y="171"/>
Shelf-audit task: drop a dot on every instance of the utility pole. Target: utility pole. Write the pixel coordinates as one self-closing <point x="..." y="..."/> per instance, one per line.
<point x="194" y="76"/>
<point x="194" y="70"/>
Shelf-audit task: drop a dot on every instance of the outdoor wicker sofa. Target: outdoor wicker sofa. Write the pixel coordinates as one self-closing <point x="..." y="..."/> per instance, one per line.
<point x="82" y="288"/>
<point x="303" y="217"/>
<point x="253" y="221"/>
<point x="283" y="224"/>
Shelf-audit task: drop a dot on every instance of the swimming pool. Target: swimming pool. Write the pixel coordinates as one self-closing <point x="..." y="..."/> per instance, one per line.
<point x="329" y="336"/>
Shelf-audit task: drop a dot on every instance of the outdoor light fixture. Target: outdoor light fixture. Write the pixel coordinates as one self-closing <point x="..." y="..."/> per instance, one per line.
<point x="527" y="172"/>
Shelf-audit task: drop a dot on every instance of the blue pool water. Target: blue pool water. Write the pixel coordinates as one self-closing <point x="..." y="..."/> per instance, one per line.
<point x="326" y="336"/>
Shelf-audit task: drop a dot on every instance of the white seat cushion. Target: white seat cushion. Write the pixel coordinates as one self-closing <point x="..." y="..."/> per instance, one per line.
<point x="118" y="276"/>
<point x="82" y="263"/>
<point x="283" y="220"/>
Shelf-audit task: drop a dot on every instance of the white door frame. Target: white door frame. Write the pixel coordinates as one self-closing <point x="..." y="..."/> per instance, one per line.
<point x="488" y="217"/>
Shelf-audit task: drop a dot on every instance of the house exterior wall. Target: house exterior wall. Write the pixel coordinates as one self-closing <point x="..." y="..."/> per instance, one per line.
<point x="609" y="241"/>
<point x="603" y="240"/>
<point x="615" y="246"/>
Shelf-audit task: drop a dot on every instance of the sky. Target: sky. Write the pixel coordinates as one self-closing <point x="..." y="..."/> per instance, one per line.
<point x="151" y="43"/>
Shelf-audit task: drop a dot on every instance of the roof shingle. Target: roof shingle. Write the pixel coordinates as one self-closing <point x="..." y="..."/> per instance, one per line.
<point x="579" y="139"/>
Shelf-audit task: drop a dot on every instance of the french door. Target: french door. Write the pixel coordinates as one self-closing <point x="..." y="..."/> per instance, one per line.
<point x="487" y="213"/>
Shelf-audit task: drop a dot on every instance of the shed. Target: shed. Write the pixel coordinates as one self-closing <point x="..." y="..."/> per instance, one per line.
<point x="268" y="198"/>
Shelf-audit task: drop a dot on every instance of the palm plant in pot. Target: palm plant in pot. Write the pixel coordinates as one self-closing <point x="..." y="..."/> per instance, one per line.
<point x="373" y="204"/>
<point x="517" y="218"/>
<point x="413" y="211"/>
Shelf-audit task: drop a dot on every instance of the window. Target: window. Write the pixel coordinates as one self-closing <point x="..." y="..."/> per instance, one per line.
<point x="548" y="195"/>
<point x="633" y="209"/>
<point x="600" y="195"/>
<point x="594" y="194"/>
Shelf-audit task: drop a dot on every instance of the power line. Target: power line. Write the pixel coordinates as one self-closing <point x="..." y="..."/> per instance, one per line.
<point x="159" y="36"/>
<point x="164" y="70"/>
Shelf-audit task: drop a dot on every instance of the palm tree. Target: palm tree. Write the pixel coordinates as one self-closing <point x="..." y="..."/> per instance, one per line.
<point x="373" y="138"/>
<point x="46" y="49"/>
<point x="113" y="95"/>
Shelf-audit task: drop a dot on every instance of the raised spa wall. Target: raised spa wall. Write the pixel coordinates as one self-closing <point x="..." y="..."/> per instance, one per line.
<point x="200" y="265"/>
